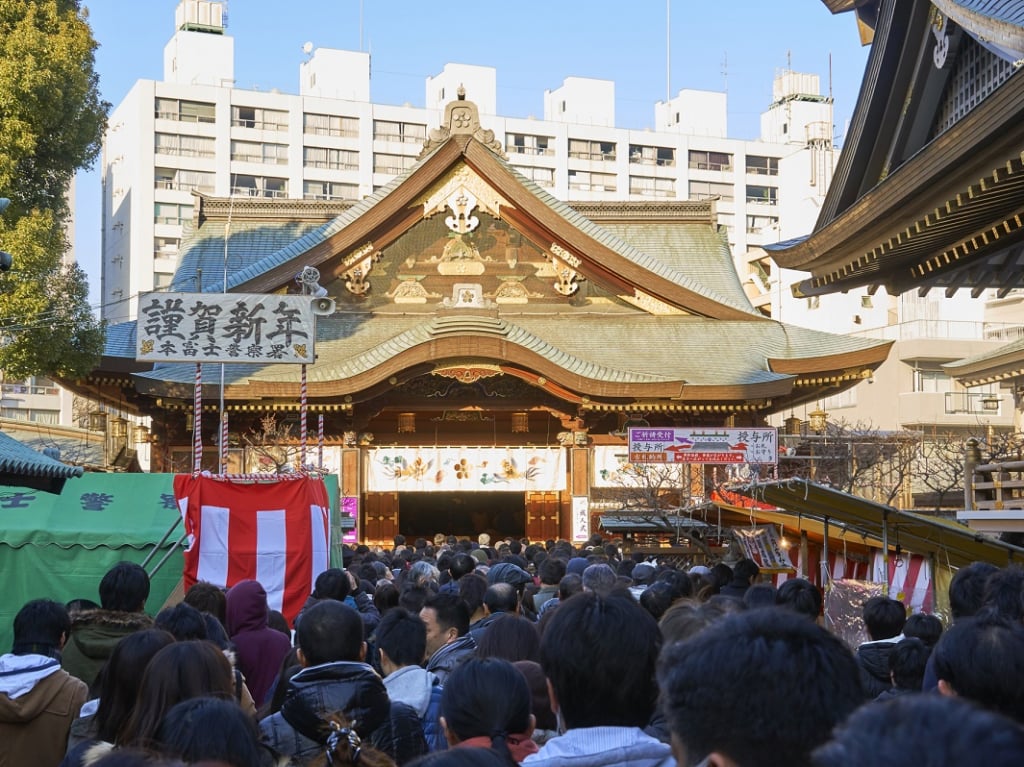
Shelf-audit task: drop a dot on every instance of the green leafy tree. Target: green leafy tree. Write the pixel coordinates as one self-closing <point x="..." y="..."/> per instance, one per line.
<point x="52" y="120"/>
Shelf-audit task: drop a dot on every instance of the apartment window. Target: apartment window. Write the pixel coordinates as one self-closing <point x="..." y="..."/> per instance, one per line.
<point x="172" y="213"/>
<point x="652" y="187"/>
<point x="757" y="224"/>
<point x="186" y="111"/>
<point x="702" y="160"/>
<point x="410" y="133"/>
<point x="329" y="190"/>
<point x="652" y="155"/>
<point x="34" y="415"/>
<point x="703" y="190"/>
<point x="763" y="195"/>
<point x="330" y="125"/>
<point x="391" y="163"/>
<point x="181" y="179"/>
<point x="184" y="146"/>
<point x="585" y="181"/>
<point x="541" y="176"/>
<point x="259" y="186"/>
<point x="525" y="143"/>
<point x="255" y="151"/>
<point x="335" y="159"/>
<point x="162" y="280"/>
<point x="582" y="149"/>
<point x="933" y="380"/>
<point x="259" y="118"/>
<point x="762" y="166"/>
<point x="166" y="247"/>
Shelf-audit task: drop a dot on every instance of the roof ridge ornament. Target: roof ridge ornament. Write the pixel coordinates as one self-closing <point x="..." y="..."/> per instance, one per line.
<point x="461" y="118"/>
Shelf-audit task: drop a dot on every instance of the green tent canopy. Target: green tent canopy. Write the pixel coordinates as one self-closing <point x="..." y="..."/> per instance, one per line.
<point x="59" y="546"/>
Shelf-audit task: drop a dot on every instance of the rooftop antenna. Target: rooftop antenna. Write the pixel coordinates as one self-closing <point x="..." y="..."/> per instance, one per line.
<point x="725" y="71"/>
<point x="307" y="48"/>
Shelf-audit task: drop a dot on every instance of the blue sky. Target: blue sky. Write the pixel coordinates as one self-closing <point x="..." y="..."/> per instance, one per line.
<point x="533" y="45"/>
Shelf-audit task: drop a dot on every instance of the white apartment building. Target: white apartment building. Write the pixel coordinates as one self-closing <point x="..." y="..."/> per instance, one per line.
<point x="194" y="131"/>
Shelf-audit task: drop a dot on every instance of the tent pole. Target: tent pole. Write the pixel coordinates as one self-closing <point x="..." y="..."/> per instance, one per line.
<point x="823" y="571"/>
<point x="163" y="540"/>
<point x="885" y="552"/>
<point x="168" y="555"/>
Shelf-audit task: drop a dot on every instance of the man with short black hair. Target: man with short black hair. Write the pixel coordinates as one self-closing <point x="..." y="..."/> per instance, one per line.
<point x="446" y="617"/>
<point x="883" y="619"/>
<point x="906" y="668"/>
<point x="335" y="677"/>
<point x="402" y="644"/>
<point x="599" y="655"/>
<point x="966" y="597"/>
<point x="801" y="596"/>
<point x="124" y="590"/>
<point x="38" y="699"/>
<point x="981" y="658"/>
<point x="550" y="571"/>
<point x="758" y="688"/>
<point x="919" y="730"/>
<point x="744" y="573"/>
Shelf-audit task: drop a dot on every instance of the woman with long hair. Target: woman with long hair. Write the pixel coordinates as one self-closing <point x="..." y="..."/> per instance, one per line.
<point x="118" y="687"/>
<point x="212" y="730"/>
<point x="486" y="704"/>
<point x="178" y="672"/>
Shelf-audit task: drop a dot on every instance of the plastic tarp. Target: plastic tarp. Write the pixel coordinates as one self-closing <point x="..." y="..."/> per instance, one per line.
<point x="60" y="546"/>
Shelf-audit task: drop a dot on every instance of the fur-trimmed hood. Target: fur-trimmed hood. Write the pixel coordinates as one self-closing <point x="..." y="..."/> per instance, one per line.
<point x="94" y="634"/>
<point x="111" y="619"/>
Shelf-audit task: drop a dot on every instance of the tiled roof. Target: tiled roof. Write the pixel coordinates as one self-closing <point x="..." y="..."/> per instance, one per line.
<point x="248" y="243"/>
<point x="620" y="348"/>
<point x="19" y="459"/>
<point x="689" y="255"/>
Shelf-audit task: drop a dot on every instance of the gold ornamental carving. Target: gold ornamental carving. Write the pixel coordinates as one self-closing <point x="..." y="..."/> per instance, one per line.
<point x="360" y="263"/>
<point x="467" y="373"/>
<point x="565" y="265"/>
<point x="461" y="190"/>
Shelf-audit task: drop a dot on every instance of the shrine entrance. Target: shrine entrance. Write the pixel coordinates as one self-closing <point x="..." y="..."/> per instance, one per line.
<point x="466" y="515"/>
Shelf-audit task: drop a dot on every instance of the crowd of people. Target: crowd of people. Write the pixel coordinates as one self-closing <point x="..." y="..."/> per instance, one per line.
<point x="454" y="652"/>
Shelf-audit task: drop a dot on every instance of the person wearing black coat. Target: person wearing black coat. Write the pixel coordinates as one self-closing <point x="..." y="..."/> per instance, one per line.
<point x="335" y="678"/>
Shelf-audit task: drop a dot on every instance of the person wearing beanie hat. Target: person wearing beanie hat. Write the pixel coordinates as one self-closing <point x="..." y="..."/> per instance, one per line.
<point x="642" y="575"/>
<point x="508" y="572"/>
<point x="576" y="566"/>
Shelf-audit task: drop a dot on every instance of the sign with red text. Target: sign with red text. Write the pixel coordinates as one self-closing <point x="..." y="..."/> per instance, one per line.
<point x="712" y="445"/>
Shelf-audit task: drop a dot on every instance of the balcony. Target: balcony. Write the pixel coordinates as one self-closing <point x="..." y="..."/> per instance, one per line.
<point x="954" y="409"/>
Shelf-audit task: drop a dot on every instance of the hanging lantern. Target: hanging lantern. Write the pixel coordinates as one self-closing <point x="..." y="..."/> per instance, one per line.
<point x="520" y="423"/>
<point x="119" y="427"/>
<point x="141" y="434"/>
<point x="97" y="420"/>
<point x="792" y="425"/>
<point x="406" y="423"/>
<point x="818" y="420"/>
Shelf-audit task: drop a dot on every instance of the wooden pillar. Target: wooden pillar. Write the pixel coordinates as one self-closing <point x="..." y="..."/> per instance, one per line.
<point x="572" y="524"/>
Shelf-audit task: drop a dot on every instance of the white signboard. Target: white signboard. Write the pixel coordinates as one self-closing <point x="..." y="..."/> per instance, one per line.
<point x="712" y="445"/>
<point x="225" y="327"/>
<point x="465" y="469"/>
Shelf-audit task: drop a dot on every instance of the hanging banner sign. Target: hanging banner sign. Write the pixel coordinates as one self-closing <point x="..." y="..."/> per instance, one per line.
<point x="761" y="543"/>
<point x="703" y="445"/>
<point x="473" y="469"/>
<point x="225" y="327"/>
